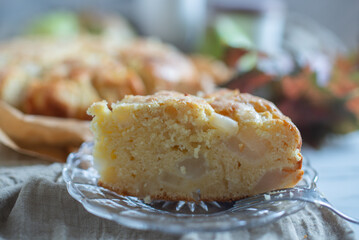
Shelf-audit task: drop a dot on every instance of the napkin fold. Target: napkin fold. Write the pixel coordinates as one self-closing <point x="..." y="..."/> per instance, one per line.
<point x="34" y="204"/>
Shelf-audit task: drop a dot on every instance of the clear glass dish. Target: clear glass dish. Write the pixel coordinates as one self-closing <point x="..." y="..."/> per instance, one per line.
<point x="176" y="217"/>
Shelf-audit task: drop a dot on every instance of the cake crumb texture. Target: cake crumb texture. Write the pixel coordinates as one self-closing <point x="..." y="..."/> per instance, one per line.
<point x="169" y="145"/>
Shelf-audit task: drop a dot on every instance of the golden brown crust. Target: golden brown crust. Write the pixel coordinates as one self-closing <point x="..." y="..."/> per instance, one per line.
<point x="69" y="88"/>
<point x="113" y="81"/>
<point x="217" y="70"/>
<point x="60" y="98"/>
<point x="139" y="67"/>
<point x="163" y="67"/>
<point x="13" y="82"/>
<point x="227" y="102"/>
<point x="164" y="97"/>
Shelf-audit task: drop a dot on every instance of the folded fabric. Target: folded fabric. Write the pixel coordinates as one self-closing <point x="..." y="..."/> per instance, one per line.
<point x="34" y="204"/>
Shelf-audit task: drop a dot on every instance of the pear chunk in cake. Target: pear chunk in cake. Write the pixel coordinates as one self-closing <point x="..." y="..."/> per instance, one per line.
<point x="218" y="147"/>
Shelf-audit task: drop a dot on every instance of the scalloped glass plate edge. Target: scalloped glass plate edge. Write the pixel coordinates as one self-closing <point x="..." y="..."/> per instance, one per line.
<point x="174" y="217"/>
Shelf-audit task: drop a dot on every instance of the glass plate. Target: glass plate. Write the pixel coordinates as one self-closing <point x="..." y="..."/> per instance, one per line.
<point x="174" y="217"/>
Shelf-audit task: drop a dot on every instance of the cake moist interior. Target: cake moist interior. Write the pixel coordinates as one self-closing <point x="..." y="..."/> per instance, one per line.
<point x="172" y="146"/>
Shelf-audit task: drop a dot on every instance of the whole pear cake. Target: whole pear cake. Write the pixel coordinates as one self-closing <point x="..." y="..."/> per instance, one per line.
<point x="218" y="147"/>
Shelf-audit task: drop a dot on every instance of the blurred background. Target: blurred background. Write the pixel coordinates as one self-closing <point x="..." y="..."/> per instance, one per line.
<point x="186" y="16"/>
<point x="302" y="55"/>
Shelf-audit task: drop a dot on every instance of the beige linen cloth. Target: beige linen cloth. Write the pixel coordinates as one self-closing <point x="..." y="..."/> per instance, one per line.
<point x="34" y="204"/>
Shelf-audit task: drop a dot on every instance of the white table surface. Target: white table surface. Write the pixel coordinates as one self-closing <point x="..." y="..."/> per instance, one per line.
<point x="337" y="163"/>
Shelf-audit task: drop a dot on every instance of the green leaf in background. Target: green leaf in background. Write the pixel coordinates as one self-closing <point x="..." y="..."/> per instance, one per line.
<point x="56" y="24"/>
<point x="247" y="62"/>
<point x="231" y="32"/>
<point x="212" y="44"/>
<point x="226" y="31"/>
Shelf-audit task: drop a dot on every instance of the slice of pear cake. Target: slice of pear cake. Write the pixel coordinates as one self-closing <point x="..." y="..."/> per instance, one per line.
<point x="218" y="147"/>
